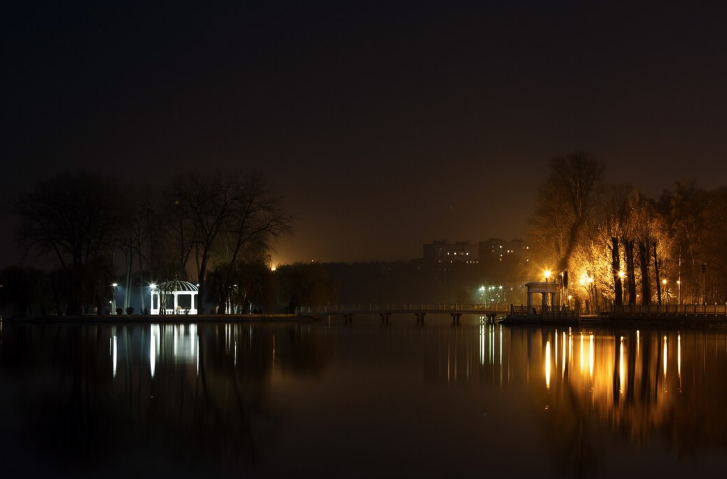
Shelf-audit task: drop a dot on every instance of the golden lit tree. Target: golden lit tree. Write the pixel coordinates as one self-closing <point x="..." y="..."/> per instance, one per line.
<point x="567" y="205"/>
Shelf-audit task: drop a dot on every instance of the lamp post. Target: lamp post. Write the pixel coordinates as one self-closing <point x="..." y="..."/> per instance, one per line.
<point x="666" y="290"/>
<point x="679" y="285"/>
<point x="152" y="290"/>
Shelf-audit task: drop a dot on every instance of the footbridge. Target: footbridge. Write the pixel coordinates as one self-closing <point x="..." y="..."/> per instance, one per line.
<point x="420" y="310"/>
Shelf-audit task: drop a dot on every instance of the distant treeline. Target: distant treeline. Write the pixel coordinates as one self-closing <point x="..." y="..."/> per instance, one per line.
<point x="32" y="291"/>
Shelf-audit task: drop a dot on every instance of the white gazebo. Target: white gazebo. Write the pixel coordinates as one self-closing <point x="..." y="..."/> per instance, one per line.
<point x="174" y="297"/>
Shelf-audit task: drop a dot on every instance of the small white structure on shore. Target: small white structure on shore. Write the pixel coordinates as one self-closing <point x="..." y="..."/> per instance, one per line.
<point x="174" y="297"/>
<point x="544" y="289"/>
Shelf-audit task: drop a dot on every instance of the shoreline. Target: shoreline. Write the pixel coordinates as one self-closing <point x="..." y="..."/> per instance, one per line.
<point x="698" y="321"/>
<point x="162" y="318"/>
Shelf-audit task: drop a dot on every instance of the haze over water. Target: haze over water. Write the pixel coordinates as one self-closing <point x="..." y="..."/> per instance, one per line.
<point x="329" y="399"/>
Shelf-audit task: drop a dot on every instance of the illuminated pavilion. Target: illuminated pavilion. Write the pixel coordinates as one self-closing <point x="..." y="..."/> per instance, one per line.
<point x="174" y="297"/>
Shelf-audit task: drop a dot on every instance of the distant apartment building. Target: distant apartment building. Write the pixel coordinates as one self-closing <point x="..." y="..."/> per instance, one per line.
<point x="464" y="252"/>
<point x="444" y="252"/>
<point x="499" y="249"/>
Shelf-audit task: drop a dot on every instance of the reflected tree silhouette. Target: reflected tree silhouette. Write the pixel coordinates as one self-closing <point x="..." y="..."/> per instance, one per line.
<point x="78" y="417"/>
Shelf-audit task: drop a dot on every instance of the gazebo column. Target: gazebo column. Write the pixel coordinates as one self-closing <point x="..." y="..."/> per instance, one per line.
<point x="530" y="301"/>
<point x="175" y="302"/>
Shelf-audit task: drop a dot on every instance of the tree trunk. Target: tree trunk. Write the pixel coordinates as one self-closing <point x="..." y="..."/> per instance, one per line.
<point x="142" y="303"/>
<point x="615" y="267"/>
<point x="656" y="272"/>
<point x="644" y="262"/>
<point x="129" y="272"/>
<point x="630" y="270"/>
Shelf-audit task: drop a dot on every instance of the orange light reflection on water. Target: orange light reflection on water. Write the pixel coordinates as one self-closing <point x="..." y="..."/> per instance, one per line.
<point x="547" y="365"/>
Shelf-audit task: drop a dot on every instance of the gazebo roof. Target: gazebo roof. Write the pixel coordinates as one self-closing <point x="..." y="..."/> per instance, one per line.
<point x="177" y="286"/>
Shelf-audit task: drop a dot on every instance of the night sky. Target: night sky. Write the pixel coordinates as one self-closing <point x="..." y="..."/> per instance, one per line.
<point x="384" y="125"/>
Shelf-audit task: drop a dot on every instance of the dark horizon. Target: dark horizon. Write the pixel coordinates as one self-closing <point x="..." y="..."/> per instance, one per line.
<point x="383" y="126"/>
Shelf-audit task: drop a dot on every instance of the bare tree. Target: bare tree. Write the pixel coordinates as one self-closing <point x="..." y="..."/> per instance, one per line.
<point x="203" y="204"/>
<point x="220" y="214"/>
<point x="132" y="235"/>
<point x="71" y="217"/>
<point x="255" y="221"/>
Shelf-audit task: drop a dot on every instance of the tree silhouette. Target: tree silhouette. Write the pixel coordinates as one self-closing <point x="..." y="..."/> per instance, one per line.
<point x="71" y="217"/>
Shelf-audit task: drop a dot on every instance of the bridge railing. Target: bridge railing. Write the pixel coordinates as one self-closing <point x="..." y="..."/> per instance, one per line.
<point x="404" y="307"/>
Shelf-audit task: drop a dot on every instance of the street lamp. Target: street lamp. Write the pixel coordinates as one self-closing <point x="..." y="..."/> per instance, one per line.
<point x="547" y="275"/>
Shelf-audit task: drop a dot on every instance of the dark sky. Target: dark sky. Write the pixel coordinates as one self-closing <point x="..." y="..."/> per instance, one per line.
<point x="384" y="125"/>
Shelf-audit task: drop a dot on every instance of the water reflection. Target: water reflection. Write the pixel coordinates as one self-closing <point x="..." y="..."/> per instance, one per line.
<point x="165" y="395"/>
<point x="263" y="400"/>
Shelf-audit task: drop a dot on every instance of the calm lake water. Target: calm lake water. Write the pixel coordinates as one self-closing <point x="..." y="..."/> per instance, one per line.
<point x="329" y="399"/>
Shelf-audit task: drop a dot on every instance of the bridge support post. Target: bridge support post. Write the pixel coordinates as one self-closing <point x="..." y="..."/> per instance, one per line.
<point x="455" y="318"/>
<point x="420" y="318"/>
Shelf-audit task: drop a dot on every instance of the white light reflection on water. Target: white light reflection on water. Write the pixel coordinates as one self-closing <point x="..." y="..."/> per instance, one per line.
<point x="176" y="343"/>
<point x="483" y="349"/>
<point x="114" y="356"/>
<point x="152" y="353"/>
<point x="492" y="344"/>
<point x="501" y="350"/>
<point x="501" y="356"/>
